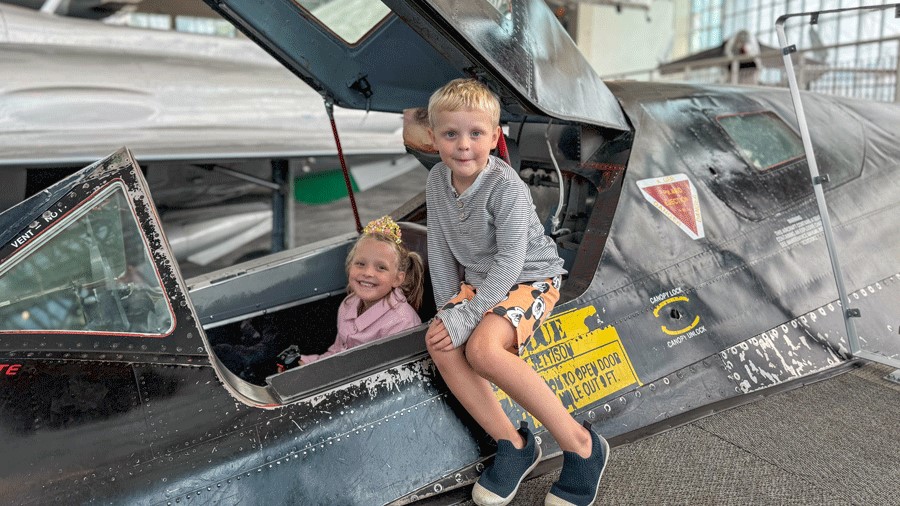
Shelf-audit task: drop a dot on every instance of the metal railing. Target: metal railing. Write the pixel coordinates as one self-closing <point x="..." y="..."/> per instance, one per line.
<point x="787" y="51"/>
<point x="866" y="78"/>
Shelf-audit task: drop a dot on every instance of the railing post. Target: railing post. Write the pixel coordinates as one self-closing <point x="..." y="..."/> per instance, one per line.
<point x="848" y="313"/>
<point x="897" y="76"/>
<point x="801" y="71"/>
<point x="817" y="181"/>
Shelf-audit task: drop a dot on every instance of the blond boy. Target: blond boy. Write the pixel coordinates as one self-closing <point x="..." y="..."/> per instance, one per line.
<point x="481" y="218"/>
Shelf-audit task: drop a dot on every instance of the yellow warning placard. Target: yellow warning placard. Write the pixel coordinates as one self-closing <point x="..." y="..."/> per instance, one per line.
<point x="581" y="365"/>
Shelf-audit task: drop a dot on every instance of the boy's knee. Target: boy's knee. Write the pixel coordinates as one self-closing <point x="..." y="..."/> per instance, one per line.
<point x="481" y="352"/>
<point x="473" y="353"/>
<point x="444" y="358"/>
<point x="436" y="355"/>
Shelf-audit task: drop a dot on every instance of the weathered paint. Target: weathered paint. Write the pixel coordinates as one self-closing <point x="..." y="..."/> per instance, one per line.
<point x="104" y="420"/>
<point x="581" y="364"/>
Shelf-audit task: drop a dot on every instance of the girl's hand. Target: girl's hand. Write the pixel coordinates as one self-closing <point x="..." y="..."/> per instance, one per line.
<point x="437" y="338"/>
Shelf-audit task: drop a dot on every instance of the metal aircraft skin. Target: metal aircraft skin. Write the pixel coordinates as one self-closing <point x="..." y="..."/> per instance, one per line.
<point x="76" y="90"/>
<point x="194" y="109"/>
<point x="698" y="279"/>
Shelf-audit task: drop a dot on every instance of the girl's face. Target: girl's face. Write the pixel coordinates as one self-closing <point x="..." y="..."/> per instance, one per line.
<point x="374" y="272"/>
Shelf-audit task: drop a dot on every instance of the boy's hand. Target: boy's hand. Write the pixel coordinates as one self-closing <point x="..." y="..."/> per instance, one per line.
<point x="437" y="338"/>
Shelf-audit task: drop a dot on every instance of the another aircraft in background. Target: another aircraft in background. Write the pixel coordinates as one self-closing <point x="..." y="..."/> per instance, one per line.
<point x="740" y="59"/>
<point x="698" y="279"/>
<point x="212" y="120"/>
<point x="90" y="9"/>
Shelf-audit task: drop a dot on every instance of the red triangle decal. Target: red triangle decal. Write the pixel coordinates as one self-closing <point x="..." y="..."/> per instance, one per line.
<point x="678" y="199"/>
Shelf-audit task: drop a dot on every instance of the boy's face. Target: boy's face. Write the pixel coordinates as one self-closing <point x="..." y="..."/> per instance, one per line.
<point x="464" y="140"/>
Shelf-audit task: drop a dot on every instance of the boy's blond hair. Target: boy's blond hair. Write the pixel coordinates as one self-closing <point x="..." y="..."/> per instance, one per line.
<point x="464" y="94"/>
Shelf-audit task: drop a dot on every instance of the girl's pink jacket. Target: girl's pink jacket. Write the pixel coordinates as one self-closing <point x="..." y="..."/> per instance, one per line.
<point x="388" y="316"/>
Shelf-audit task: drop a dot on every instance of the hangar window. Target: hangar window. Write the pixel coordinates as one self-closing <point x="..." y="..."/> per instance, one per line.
<point x="89" y="272"/>
<point x="346" y="18"/>
<point x="763" y="139"/>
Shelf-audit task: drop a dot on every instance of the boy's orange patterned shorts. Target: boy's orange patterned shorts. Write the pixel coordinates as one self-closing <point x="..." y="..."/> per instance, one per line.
<point x="526" y="305"/>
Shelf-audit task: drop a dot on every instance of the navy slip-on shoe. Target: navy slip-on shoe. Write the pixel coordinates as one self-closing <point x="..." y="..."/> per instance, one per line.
<point x="500" y="481"/>
<point x="579" y="480"/>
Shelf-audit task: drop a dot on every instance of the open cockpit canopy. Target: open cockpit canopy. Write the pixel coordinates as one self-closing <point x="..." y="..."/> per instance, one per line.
<point x="90" y="273"/>
<point x="85" y="269"/>
<point x="391" y="55"/>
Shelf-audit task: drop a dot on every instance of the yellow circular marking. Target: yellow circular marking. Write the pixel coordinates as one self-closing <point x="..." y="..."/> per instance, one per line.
<point x="668" y="301"/>
<point x="681" y="331"/>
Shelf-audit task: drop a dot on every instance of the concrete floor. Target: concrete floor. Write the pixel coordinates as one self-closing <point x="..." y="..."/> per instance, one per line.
<point x="833" y="442"/>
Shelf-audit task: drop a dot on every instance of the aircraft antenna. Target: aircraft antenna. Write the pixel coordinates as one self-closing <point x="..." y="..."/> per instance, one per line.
<point x="329" y="108"/>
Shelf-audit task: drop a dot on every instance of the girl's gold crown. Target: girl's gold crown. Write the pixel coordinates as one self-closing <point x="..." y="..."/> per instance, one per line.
<point x="385" y="226"/>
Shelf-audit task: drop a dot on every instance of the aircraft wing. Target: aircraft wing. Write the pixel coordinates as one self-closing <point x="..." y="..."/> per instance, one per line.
<point x="75" y="90"/>
<point x="392" y="59"/>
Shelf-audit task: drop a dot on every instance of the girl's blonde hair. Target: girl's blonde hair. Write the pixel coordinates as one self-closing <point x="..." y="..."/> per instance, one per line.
<point x="408" y="262"/>
<point x="464" y="94"/>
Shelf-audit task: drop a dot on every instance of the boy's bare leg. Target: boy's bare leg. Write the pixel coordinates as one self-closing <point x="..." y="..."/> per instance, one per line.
<point x="487" y="353"/>
<point x="475" y="394"/>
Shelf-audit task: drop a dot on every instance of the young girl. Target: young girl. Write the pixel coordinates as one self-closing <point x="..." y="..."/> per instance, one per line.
<point x="384" y="287"/>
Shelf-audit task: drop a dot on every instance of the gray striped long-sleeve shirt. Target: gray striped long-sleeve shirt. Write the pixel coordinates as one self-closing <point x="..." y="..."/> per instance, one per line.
<point x="493" y="232"/>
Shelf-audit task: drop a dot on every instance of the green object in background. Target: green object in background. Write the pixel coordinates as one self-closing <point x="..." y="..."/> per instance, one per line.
<point x="328" y="186"/>
<point x="322" y="187"/>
